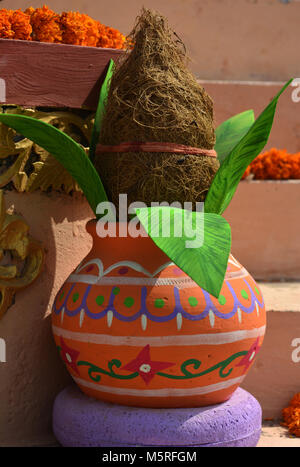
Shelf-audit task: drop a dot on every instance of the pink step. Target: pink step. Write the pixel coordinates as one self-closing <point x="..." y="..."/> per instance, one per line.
<point x="274" y="376"/>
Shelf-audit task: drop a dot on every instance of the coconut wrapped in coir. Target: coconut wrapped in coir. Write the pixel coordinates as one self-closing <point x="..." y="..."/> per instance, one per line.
<point x="154" y="98"/>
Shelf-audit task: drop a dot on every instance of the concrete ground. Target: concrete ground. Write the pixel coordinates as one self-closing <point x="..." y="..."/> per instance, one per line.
<point x="274" y="435"/>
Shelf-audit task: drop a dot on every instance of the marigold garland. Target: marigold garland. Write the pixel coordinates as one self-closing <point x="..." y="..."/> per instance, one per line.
<point x="275" y="164"/>
<point x="20" y="24"/>
<point x="14" y="24"/>
<point x="79" y="29"/>
<point x="44" y="25"/>
<point x="291" y="415"/>
<point x="6" y="31"/>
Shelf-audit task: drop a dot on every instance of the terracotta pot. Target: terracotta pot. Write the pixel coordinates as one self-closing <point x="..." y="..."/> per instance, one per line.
<point x="134" y="329"/>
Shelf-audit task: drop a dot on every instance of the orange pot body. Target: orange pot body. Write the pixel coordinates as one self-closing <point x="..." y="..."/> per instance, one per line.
<point x="134" y="329"/>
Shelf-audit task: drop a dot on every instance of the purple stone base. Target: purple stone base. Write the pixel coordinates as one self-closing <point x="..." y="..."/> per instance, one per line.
<point x="81" y="421"/>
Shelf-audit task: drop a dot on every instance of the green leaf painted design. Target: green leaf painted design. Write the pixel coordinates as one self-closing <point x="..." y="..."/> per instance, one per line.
<point x="69" y="153"/>
<point x="95" y="369"/>
<point x="95" y="372"/>
<point x="195" y="364"/>
<point x="206" y="264"/>
<point x="100" y="109"/>
<point x="230" y="132"/>
<point x="234" y="165"/>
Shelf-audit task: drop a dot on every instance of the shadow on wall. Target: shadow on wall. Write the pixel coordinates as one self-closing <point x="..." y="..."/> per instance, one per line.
<point x="33" y="373"/>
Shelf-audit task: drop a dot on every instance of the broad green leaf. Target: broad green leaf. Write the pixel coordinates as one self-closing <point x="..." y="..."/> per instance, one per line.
<point x="231" y="171"/>
<point x="172" y="229"/>
<point x="100" y="109"/>
<point x="69" y="153"/>
<point x="230" y="132"/>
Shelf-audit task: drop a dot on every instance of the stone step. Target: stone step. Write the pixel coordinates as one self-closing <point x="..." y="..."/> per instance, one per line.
<point x="262" y="214"/>
<point x="266" y="240"/>
<point x="275" y="375"/>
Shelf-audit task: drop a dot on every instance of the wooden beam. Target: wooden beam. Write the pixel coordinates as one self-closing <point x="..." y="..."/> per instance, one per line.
<point x="52" y="75"/>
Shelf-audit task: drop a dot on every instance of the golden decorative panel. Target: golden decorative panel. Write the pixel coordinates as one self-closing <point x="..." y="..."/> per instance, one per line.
<point x="28" y="166"/>
<point x="21" y="257"/>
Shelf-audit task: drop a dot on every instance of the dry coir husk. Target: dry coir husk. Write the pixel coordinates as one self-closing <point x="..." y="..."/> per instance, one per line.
<point x="153" y="97"/>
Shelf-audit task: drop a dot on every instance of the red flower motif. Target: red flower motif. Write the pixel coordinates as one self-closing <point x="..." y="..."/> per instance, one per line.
<point x="69" y="356"/>
<point x="146" y="367"/>
<point x="248" y="359"/>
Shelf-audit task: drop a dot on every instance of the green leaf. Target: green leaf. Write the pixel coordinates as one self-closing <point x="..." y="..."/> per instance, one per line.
<point x="230" y="132"/>
<point x="206" y="261"/>
<point x="69" y="153"/>
<point x="100" y="109"/>
<point x="231" y="171"/>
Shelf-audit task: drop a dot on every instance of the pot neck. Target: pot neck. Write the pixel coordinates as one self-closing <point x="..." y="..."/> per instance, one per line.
<point x="118" y="248"/>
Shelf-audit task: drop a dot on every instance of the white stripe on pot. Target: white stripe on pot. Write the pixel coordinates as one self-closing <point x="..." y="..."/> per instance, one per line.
<point x="182" y="282"/>
<point x="166" y="392"/>
<point x="115" y="280"/>
<point x="161" y="341"/>
<point x="131" y="264"/>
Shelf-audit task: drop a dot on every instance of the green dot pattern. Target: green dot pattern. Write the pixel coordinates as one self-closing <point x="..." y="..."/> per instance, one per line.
<point x="116" y="291"/>
<point x="61" y="295"/>
<point x="244" y="293"/>
<point x="75" y="297"/>
<point x="128" y="302"/>
<point x="256" y="290"/>
<point x="159" y="303"/>
<point x="99" y="300"/>
<point x="193" y="301"/>
<point x="222" y="300"/>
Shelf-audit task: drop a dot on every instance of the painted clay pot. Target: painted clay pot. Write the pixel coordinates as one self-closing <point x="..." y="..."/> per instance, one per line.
<point x="134" y="329"/>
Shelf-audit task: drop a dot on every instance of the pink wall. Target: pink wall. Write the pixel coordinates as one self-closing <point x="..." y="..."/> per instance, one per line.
<point x="265" y="229"/>
<point x="33" y="373"/>
<point x="231" y="98"/>
<point x="226" y="39"/>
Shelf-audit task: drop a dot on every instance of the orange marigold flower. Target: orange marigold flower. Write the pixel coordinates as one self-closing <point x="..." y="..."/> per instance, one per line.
<point x="29" y="10"/>
<point x="110" y="37"/>
<point x="45" y="25"/>
<point x="6" y="31"/>
<point x="276" y="164"/>
<point x="79" y="29"/>
<point x="295" y="401"/>
<point x="20" y="24"/>
<point x="291" y="415"/>
<point x="103" y="40"/>
<point x="295" y="161"/>
<point x="257" y="167"/>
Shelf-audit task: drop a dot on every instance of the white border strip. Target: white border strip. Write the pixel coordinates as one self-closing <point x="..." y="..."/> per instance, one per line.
<point x="167" y="392"/>
<point x="131" y="264"/>
<point x="113" y="280"/>
<point x="162" y="341"/>
<point x="181" y="282"/>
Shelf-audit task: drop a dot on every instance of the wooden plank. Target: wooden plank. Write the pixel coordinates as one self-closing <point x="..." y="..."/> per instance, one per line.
<point x="52" y="75"/>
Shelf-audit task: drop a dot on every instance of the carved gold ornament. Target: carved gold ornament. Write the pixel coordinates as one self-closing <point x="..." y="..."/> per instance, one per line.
<point x="29" y="166"/>
<point x="21" y="257"/>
